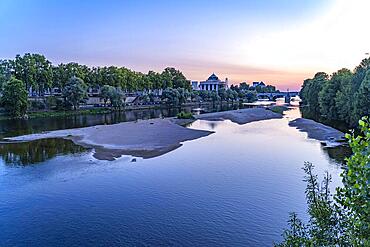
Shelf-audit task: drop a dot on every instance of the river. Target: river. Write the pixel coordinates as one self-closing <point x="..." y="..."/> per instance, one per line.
<point x="232" y="188"/>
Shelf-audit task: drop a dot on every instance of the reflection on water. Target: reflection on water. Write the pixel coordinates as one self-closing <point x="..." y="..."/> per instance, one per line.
<point x="25" y="153"/>
<point x="17" y="127"/>
<point x="307" y="113"/>
<point x="339" y="153"/>
<point x="232" y="188"/>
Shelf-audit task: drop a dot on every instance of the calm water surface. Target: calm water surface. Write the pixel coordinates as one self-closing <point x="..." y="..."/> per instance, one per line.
<point x="233" y="188"/>
<point x="15" y="127"/>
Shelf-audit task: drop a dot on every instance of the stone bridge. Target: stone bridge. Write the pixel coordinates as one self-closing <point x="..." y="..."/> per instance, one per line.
<point x="274" y="96"/>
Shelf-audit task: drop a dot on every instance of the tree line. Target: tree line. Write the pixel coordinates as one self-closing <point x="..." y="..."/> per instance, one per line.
<point x="34" y="74"/>
<point x="38" y="73"/>
<point x="343" y="96"/>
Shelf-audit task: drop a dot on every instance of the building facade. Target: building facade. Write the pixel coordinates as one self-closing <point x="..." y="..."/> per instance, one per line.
<point x="258" y="84"/>
<point x="213" y="83"/>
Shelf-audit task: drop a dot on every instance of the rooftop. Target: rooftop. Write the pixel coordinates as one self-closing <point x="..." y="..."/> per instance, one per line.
<point x="213" y="77"/>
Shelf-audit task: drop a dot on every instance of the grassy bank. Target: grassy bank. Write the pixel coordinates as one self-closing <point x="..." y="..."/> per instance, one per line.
<point x="278" y="109"/>
<point x="48" y="114"/>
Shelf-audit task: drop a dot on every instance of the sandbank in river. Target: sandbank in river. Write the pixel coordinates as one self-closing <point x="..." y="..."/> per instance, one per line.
<point x="154" y="137"/>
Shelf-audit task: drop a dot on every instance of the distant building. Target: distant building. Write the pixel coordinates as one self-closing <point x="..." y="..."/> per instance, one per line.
<point x="194" y="85"/>
<point x="258" y="83"/>
<point x="213" y="84"/>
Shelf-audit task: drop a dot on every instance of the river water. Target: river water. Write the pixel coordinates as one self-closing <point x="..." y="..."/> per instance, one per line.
<point x="232" y="188"/>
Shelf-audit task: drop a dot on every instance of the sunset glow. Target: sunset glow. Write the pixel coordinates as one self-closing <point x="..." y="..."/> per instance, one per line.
<point x="275" y="41"/>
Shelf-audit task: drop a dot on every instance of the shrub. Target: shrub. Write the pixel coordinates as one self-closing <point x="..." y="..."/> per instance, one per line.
<point x="36" y="105"/>
<point x="278" y="109"/>
<point x="185" y="115"/>
<point x="342" y="219"/>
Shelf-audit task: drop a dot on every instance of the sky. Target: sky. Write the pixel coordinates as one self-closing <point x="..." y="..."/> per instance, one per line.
<point x="281" y="42"/>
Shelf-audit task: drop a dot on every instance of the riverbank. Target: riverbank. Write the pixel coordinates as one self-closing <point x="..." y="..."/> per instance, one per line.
<point x="146" y="138"/>
<point x="318" y="131"/>
<point x="96" y="111"/>
<point x="241" y="116"/>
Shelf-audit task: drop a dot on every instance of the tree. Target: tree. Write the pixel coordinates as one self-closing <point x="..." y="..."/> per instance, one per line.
<point x="204" y="95"/>
<point x="106" y="93"/>
<point x="25" y="69"/>
<point x="35" y="71"/>
<point x="174" y="78"/>
<point x="362" y="99"/>
<point x="244" y="86"/>
<point x="296" y="234"/>
<point x="155" y="80"/>
<point x="231" y="95"/>
<point x="343" y="98"/>
<point x="311" y="89"/>
<point x="75" y="92"/>
<point x="5" y="72"/>
<point x="214" y="97"/>
<point x="183" y="95"/>
<point x="360" y="73"/>
<point x="15" y="98"/>
<point x="250" y="96"/>
<point x="328" y="93"/>
<point x="171" y="96"/>
<point x="116" y="97"/>
<point x="355" y="193"/>
<point x="223" y="94"/>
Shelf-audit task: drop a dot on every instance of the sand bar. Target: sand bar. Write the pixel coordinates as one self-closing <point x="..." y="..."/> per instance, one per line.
<point x="241" y="116"/>
<point x="145" y="138"/>
<point x="318" y="131"/>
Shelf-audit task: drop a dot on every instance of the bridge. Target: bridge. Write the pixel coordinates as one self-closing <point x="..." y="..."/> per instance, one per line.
<point x="274" y="96"/>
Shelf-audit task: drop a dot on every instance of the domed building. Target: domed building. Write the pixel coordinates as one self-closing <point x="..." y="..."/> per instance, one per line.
<point x="213" y="83"/>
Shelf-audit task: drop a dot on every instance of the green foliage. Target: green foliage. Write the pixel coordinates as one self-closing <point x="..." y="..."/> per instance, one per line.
<point x="35" y="105"/>
<point x="266" y="89"/>
<point x="116" y="98"/>
<point x="185" y="115"/>
<point x="14" y="98"/>
<point x="5" y="72"/>
<point x="296" y="234"/>
<point x="54" y="103"/>
<point x="213" y="96"/>
<point x="114" y="95"/>
<point x="344" y="220"/>
<point x="34" y="70"/>
<point x="345" y="96"/>
<point x="174" y="78"/>
<point x="362" y="98"/>
<point x="75" y="92"/>
<point x="355" y="194"/>
<point x="105" y="93"/>
<point x="39" y="75"/>
<point x="328" y="93"/>
<point x="243" y="86"/>
<point x="311" y="90"/>
<point x="278" y="109"/>
<point x="173" y="96"/>
<point x="250" y="96"/>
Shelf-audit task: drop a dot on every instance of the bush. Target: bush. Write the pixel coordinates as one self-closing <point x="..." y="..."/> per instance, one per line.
<point x="278" y="109"/>
<point x="185" y="115"/>
<point x="342" y="219"/>
<point x="14" y="98"/>
<point x="37" y="105"/>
